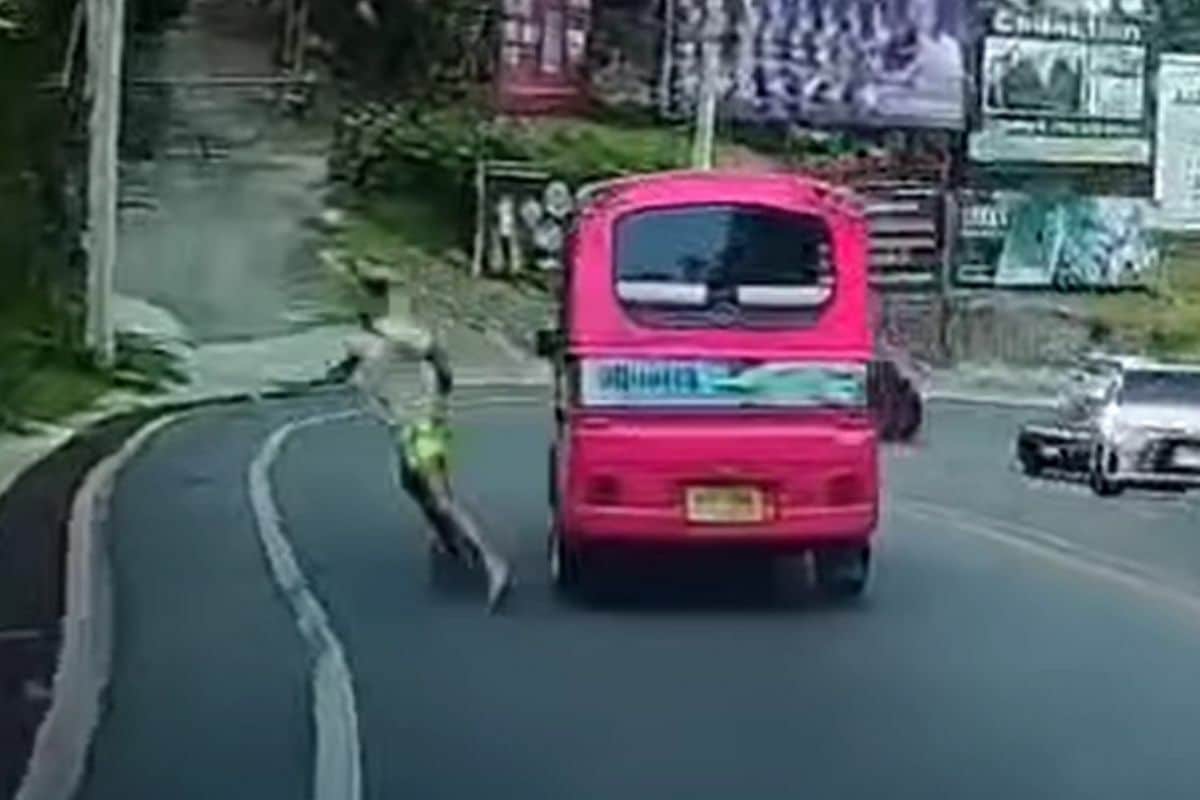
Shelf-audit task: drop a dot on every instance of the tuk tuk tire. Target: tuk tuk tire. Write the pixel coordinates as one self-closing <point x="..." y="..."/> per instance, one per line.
<point x="566" y="564"/>
<point x="842" y="573"/>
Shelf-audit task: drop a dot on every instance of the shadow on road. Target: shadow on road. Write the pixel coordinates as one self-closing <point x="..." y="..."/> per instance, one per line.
<point x="691" y="583"/>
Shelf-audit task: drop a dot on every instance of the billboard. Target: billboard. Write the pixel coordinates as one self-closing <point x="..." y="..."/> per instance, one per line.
<point x="872" y="63"/>
<point x="1064" y="82"/>
<point x="1177" y="160"/>
<point x="1069" y="243"/>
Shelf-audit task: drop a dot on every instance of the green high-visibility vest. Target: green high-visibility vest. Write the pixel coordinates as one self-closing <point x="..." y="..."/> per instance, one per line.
<point x="426" y="444"/>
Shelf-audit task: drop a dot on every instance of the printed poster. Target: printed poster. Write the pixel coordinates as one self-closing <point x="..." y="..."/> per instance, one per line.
<point x="1177" y="161"/>
<point x="650" y="383"/>
<point x="1070" y="243"/>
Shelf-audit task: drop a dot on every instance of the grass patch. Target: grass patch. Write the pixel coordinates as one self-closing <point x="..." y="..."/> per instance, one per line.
<point x="1164" y="324"/>
<point x="45" y="380"/>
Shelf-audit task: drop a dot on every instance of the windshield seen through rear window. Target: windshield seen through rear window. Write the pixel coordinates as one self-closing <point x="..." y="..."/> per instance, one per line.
<point x="742" y="264"/>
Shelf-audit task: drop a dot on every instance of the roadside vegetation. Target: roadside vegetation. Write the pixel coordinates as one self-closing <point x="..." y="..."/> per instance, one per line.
<point x="405" y="176"/>
<point x="1164" y="323"/>
<point x="45" y="380"/>
<point x="406" y="171"/>
<point x="45" y="373"/>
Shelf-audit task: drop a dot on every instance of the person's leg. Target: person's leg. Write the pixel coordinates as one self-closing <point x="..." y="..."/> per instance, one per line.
<point x="456" y="530"/>
<point x="418" y="487"/>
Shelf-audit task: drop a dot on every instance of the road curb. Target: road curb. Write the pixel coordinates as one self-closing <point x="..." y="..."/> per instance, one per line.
<point x="63" y="740"/>
<point x="64" y="737"/>
<point x="995" y="400"/>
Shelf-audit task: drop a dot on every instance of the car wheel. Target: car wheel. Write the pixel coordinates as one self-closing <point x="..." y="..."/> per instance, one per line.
<point x="1102" y="485"/>
<point x="1031" y="463"/>
<point x="565" y="562"/>
<point x="842" y="572"/>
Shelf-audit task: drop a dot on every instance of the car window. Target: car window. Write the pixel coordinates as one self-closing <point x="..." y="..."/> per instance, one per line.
<point x="1161" y="386"/>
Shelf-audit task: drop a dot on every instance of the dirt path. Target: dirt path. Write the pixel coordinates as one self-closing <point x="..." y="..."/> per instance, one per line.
<point x="218" y="183"/>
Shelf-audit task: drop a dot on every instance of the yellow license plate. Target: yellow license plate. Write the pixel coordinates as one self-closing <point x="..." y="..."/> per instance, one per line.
<point x="725" y="504"/>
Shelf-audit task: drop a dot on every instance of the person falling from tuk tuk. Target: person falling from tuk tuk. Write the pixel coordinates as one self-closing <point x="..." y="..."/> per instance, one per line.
<point x="404" y="377"/>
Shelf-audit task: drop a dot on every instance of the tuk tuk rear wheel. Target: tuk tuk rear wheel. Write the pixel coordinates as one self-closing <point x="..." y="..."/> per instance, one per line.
<point x="842" y="572"/>
<point x="566" y="563"/>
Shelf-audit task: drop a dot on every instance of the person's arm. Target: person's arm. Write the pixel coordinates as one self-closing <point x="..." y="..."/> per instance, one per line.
<point x="361" y="351"/>
<point x="439" y="359"/>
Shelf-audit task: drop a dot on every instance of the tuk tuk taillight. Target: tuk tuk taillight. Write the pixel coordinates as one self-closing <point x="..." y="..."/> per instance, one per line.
<point x="602" y="490"/>
<point x="845" y="490"/>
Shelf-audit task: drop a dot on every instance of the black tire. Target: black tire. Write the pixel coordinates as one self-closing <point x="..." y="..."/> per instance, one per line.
<point x="1103" y="487"/>
<point x="566" y="564"/>
<point x="842" y="573"/>
<point x="1099" y="482"/>
<point x="907" y="408"/>
<point x="914" y="416"/>
<point x="1031" y="463"/>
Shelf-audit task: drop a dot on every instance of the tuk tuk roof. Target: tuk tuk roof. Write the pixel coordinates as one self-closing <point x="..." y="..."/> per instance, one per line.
<point x="831" y="195"/>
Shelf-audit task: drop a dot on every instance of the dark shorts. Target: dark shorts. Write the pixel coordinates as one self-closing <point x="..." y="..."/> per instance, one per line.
<point x="419" y="488"/>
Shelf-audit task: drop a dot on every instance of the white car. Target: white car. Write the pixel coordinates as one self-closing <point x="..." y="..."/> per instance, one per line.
<point x="1147" y="429"/>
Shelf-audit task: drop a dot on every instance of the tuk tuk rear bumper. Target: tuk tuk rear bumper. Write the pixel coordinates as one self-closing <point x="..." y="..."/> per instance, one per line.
<point x="626" y="479"/>
<point x="794" y="531"/>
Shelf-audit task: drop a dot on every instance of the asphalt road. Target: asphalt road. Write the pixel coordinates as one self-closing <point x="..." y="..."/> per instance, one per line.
<point x="1021" y="639"/>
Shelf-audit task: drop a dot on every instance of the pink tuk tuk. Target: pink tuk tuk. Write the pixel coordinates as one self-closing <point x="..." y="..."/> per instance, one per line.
<point x="711" y="364"/>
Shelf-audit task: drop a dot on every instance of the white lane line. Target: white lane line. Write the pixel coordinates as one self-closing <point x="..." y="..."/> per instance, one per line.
<point x="1147" y="506"/>
<point x="64" y="738"/>
<point x="1054" y="548"/>
<point x="337" y="769"/>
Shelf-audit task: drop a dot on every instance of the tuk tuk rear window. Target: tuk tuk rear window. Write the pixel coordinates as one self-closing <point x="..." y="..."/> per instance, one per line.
<point x="723" y="264"/>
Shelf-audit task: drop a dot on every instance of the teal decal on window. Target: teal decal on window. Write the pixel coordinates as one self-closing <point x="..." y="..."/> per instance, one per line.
<point x="679" y="383"/>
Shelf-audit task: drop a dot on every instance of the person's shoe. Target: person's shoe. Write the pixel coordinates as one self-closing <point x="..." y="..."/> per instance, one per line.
<point x="499" y="582"/>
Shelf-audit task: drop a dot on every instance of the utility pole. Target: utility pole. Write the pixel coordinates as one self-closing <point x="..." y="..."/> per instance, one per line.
<point x="106" y="34"/>
<point x="706" y="107"/>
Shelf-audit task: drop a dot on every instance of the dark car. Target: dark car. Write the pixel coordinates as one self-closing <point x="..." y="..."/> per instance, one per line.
<point x="1064" y="441"/>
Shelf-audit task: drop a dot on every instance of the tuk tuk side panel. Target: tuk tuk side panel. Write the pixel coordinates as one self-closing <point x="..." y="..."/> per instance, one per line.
<point x="597" y="319"/>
